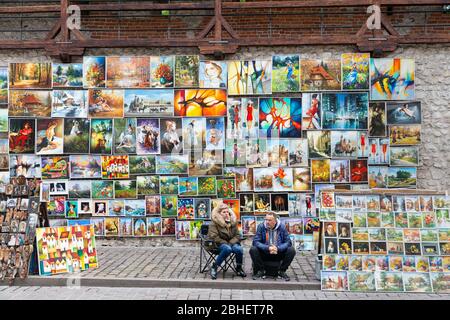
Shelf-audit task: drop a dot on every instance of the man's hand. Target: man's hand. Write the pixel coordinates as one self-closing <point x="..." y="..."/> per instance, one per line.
<point x="273" y="249"/>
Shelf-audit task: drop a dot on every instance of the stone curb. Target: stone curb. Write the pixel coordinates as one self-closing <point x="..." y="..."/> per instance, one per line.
<point x="166" y="283"/>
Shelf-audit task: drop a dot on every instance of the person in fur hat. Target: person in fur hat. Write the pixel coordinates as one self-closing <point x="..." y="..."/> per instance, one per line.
<point x="223" y="231"/>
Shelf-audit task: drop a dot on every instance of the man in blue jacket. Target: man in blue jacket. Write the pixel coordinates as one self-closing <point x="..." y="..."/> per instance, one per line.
<point x="271" y="243"/>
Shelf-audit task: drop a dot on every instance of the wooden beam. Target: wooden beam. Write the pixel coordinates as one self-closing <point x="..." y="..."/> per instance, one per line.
<point x="218" y="20"/>
<point x="54" y="31"/>
<point x="150" y="6"/>
<point x="63" y="19"/>
<point x="326" y="3"/>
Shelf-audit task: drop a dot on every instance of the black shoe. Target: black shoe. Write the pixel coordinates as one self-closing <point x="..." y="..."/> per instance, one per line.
<point x="283" y="275"/>
<point x="240" y="272"/>
<point x="213" y="272"/>
<point x="259" y="275"/>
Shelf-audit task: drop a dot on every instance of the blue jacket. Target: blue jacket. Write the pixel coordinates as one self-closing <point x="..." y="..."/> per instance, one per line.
<point x="261" y="240"/>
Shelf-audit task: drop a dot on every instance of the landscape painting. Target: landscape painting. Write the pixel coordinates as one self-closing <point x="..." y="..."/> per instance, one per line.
<point x="30" y="75"/>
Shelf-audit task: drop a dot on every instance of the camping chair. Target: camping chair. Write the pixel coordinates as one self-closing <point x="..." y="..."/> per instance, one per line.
<point x="208" y="253"/>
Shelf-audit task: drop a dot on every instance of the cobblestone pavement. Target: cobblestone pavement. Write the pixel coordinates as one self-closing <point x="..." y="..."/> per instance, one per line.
<point x="105" y="293"/>
<point x="177" y="263"/>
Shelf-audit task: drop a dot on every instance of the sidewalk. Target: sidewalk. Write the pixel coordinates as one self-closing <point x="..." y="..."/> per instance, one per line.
<point x="173" y="267"/>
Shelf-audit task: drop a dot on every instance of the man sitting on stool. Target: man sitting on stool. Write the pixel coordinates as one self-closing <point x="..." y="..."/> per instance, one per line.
<point x="271" y="243"/>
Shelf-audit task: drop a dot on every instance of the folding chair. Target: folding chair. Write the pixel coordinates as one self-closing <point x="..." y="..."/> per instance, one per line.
<point x="208" y="253"/>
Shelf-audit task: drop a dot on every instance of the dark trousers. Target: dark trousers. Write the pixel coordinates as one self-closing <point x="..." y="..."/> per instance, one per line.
<point x="259" y="256"/>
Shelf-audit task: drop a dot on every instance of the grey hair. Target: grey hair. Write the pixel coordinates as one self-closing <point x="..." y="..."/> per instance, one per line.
<point x="272" y="213"/>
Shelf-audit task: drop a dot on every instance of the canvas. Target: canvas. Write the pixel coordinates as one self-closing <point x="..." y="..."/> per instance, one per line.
<point x="76" y="135"/>
<point x="320" y="75"/>
<point x="127" y="72"/>
<point x="115" y="167"/>
<point x="355" y="71"/>
<point x="69" y="104"/>
<point x="171" y="136"/>
<point x="142" y="164"/>
<point x="67" y="75"/>
<point x="101" y="136"/>
<point x="162" y="71"/>
<point x="55" y="167"/>
<point x="148" y="103"/>
<point x="168" y="184"/>
<point x="94" y="72"/>
<point x="186" y="71"/>
<point x="237" y="77"/>
<point x="213" y="74"/>
<point x="125" y="189"/>
<point x="215" y="134"/>
<point x="3" y="85"/>
<point x="124" y="136"/>
<point x="152" y="205"/>
<point x="280" y="118"/>
<point x="285" y="73"/>
<point x="102" y="189"/>
<point x="345" y="111"/>
<point x="105" y="103"/>
<point x="392" y="79"/>
<point x="148" y="136"/>
<point x="200" y="102"/>
<point x="172" y="164"/>
<point x="30" y="75"/>
<point x="30" y="103"/>
<point x="49" y="136"/>
<point x="334" y="281"/>
<point x="194" y="131"/>
<point x="319" y="144"/>
<point x="402" y="177"/>
<point x="27" y="165"/>
<point x="311" y="111"/>
<point x="377" y="119"/>
<point x="22" y="135"/>
<point x="207" y="186"/>
<point x="404" y="113"/>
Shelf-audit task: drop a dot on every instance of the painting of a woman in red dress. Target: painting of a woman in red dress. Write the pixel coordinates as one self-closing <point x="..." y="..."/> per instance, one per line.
<point x="21" y="141"/>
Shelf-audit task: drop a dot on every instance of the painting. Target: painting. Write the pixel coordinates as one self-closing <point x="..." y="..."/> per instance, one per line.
<point x="69" y="104"/>
<point x="30" y="75"/>
<point x="319" y="144"/>
<point x="101" y="136"/>
<point x="30" y="103"/>
<point x="344" y="144"/>
<point x="339" y="171"/>
<point x="355" y="71"/>
<point x="186" y="71"/>
<point x="377" y="119"/>
<point x="242" y="118"/>
<point x="172" y="164"/>
<point x="405" y="135"/>
<point x="162" y="71"/>
<point x="404" y="156"/>
<point x="115" y="167"/>
<point x="249" y="77"/>
<point x="125" y="136"/>
<point x="206" y="163"/>
<point x="319" y="75"/>
<point x="66" y="249"/>
<point x="320" y="170"/>
<point x="213" y="74"/>
<point x="207" y="186"/>
<point x="285" y="73"/>
<point x="28" y="165"/>
<point x="200" y="102"/>
<point x="56" y="167"/>
<point x="404" y="113"/>
<point x="345" y="111"/>
<point x="148" y="136"/>
<point x="49" y="136"/>
<point x="67" y="75"/>
<point x="298" y="153"/>
<point x="142" y="164"/>
<point x="280" y="118"/>
<point x="22" y="135"/>
<point x="105" y="103"/>
<point x="392" y="79"/>
<point x="85" y="166"/>
<point x="194" y="132"/>
<point x="334" y="281"/>
<point x="378" y="177"/>
<point x="168" y="184"/>
<point x="94" y="72"/>
<point x="76" y="135"/>
<point x="127" y="72"/>
<point x="3" y="85"/>
<point x="148" y="103"/>
<point x="311" y="111"/>
<point x="171" y="136"/>
<point x="402" y="177"/>
<point x="185" y="209"/>
<point x="379" y="151"/>
<point x="168" y="227"/>
<point x="148" y="185"/>
<point x="140" y="227"/>
<point x="358" y="171"/>
<point x="125" y="189"/>
<point x="215" y="134"/>
<point x="169" y="206"/>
